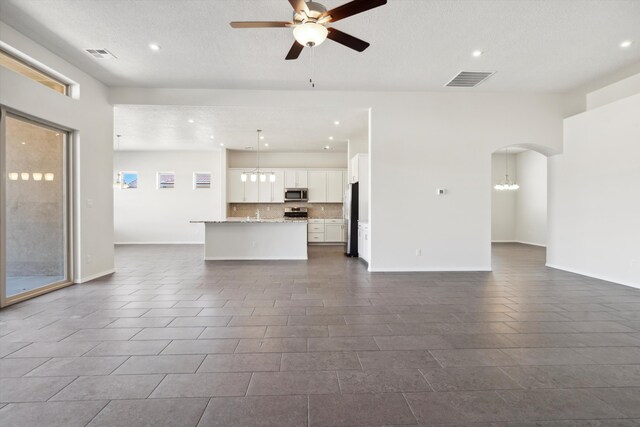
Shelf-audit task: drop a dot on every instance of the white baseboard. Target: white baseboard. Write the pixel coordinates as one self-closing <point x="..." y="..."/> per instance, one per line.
<point x="595" y="276"/>
<point x="254" y="259"/>
<point x="158" y="243"/>
<point x="519" y="241"/>
<point x="96" y="276"/>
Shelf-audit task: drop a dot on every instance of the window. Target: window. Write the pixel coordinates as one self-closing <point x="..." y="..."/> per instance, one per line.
<point x="166" y="180"/>
<point x="201" y="180"/>
<point x="129" y="180"/>
<point x="21" y="67"/>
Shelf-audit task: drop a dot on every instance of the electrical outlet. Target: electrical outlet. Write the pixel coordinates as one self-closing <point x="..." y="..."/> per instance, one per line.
<point x="268" y="208"/>
<point x="418" y="252"/>
<point x="322" y="208"/>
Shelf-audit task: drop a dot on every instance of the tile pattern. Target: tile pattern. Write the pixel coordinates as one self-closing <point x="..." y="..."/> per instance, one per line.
<point x="172" y="340"/>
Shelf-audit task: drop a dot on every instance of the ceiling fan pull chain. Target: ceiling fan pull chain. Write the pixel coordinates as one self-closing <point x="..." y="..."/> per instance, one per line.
<point x="313" y="85"/>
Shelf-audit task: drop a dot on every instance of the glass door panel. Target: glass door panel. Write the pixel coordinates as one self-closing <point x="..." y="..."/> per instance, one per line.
<point x="35" y="207"/>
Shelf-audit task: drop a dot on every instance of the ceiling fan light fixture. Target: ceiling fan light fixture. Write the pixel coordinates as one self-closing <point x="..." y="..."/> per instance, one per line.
<point x="310" y="34"/>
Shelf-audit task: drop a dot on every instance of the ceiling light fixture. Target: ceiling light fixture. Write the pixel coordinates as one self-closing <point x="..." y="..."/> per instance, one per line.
<point x="330" y="138"/>
<point x="257" y="173"/>
<point x="477" y="53"/>
<point x="336" y="123"/>
<point x="221" y="144"/>
<point x="506" y="184"/>
<point x="154" y="47"/>
<point x="266" y="144"/>
<point x="625" y="44"/>
<point x="211" y="137"/>
<point x="310" y="34"/>
<point x="191" y="121"/>
<point x="327" y="147"/>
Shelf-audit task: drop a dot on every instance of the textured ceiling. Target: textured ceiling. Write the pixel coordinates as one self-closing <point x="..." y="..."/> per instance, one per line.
<point x="146" y="127"/>
<point x="534" y="45"/>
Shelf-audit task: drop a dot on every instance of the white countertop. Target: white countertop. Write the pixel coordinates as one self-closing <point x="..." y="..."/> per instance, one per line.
<point x="250" y="221"/>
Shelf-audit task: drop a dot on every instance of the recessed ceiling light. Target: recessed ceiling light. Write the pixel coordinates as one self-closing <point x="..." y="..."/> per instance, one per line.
<point x="336" y="122"/>
<point x="326" y="147"/>
<point x="476" y="53"/>
<point x="330" y="138"/>
<point x="191" y="121"/>
<point x="221" y="144"/>
<point x="266" y="144"/>
<point x="625" y="44"/>
<point x="24" y="143"/>
<point x="155" y="47"/>
<point x="261" y="136"/>
<point x="211" y="137"/>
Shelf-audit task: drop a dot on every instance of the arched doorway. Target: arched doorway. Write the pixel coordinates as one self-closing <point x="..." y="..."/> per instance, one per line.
<point x="519" y="206"/>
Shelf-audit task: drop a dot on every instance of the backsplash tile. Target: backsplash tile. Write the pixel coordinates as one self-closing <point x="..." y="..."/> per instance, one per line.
<point x="276" y="210"/>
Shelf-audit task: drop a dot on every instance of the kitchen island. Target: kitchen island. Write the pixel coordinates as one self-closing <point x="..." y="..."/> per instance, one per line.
<point x="252" y="239"/>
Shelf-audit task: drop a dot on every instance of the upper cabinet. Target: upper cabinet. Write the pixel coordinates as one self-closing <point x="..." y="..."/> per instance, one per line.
<point x="277" y="188"/>
<point x="325" y="186"/>
<point x="295" y="178"/>
<point x="335" y="191"/>
<point x="235" y="186"/>
<point x="317" y="186"/>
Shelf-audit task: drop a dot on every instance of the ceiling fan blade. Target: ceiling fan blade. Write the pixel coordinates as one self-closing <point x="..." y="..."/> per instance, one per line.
<point x="261" y="24"/>
<point x="295" y="51"/>
<point x="350" y="9"/>
<point x="299" y="5"/>
<point x="347" y="40"/>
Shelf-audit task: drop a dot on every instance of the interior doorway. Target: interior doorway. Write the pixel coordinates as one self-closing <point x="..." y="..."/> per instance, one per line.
<point x="519" y="197"/>
<point x="35" y="208"/>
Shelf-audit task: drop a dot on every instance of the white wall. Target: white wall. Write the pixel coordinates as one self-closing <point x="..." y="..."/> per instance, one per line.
<point x="91" y="118"/>
<point x="248" y="159"/>
<point x="503" y="203"/>
<point x="150" y="215"/>
<point x="594" y="199"/>
<point x="420" y="141"/>
<point x="531" y="198"/>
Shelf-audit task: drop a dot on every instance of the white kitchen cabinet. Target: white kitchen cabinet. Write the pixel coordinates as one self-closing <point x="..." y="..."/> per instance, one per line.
<point x="333" y="232"/>
<point x="295" y="178"/>
<point x="317" y="186"/>
<point x="277" y="190"/>
<point x="265" y="192"/>
<point x="235" y="186"/>
<point x="251" y="191"/>
<point x="335" y="192"/>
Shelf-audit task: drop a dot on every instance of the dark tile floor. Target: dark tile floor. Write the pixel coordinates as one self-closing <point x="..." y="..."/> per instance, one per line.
<point x="172" y="340"/>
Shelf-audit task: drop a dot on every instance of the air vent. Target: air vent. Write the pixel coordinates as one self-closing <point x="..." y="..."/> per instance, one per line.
<point x="100" y="53"/>
<point x="469" y="78"/>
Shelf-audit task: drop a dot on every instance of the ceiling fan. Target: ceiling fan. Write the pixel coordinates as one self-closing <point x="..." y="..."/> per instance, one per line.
<point x="310" y="20"/>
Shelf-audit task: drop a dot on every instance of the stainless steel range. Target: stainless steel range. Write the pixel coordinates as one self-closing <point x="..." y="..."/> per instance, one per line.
<point x="296" y="213"/>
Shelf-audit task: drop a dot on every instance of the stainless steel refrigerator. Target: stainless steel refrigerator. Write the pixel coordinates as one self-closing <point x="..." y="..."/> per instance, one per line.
<point x="351" y="217"/>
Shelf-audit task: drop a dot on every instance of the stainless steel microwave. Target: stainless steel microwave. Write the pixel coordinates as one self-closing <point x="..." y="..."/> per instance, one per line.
<point x="296" y="195"/>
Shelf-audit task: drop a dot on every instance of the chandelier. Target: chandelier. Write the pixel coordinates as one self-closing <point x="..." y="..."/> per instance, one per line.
<point x="255" y="174"/>
<point x="506" y="183"/>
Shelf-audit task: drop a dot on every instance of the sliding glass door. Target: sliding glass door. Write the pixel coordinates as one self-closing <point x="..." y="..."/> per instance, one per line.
<point x="35" y="208"/>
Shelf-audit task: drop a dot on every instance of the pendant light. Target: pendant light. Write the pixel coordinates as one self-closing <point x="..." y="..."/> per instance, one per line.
<point x="117" y="179"/>
<point x="257" y="173"/>
<point x="506" y="183"/>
